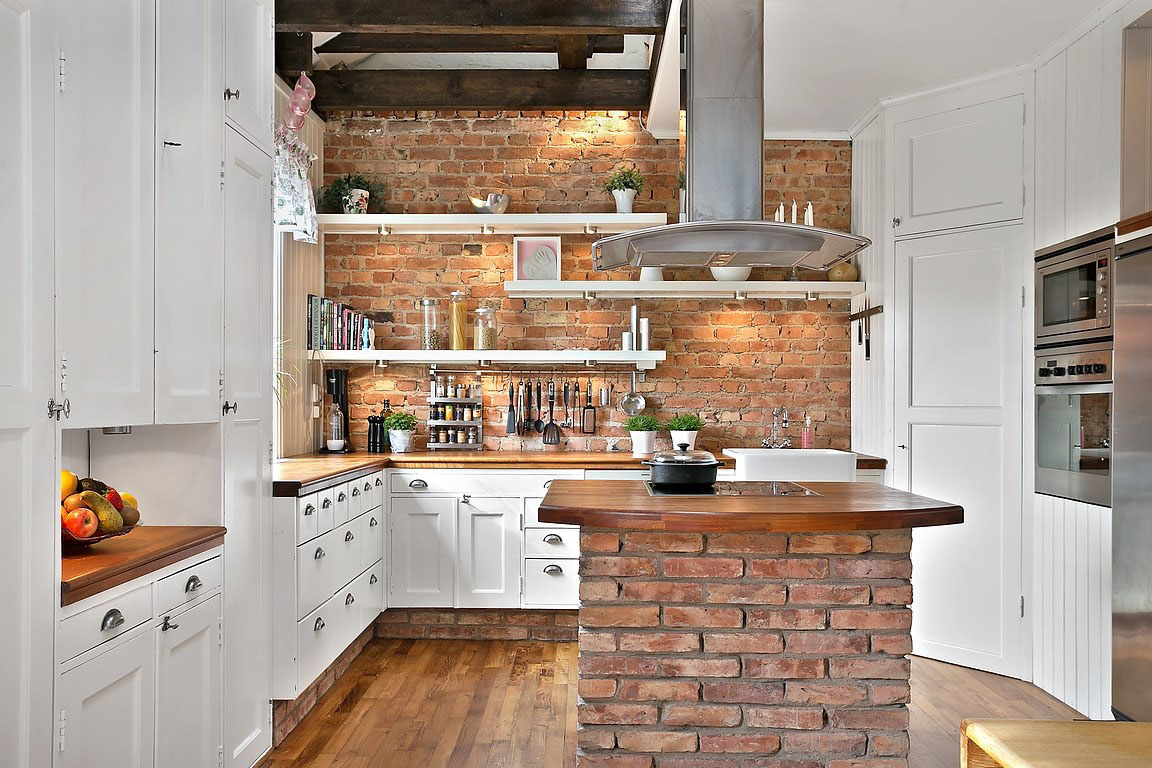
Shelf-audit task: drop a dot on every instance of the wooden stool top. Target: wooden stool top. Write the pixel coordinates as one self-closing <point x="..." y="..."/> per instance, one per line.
<point x="1055" y="744"/>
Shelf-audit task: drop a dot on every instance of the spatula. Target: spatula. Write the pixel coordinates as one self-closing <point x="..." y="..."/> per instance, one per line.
<point x="538" y="425"/>
<point x="510" y="427"/>
<point x="551" y="430"/>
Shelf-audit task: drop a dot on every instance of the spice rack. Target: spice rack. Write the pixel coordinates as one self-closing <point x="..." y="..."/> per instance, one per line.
<point x="454" y="425"/>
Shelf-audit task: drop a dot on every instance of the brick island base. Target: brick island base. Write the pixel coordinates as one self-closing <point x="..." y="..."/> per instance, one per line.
<point x="744" y="650"/>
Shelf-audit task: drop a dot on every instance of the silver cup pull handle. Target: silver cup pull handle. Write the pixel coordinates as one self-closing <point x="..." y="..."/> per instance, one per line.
<point x="553" y="569"/>
<point x="192" y="584"/>
<point x="553" y="538"/>
<point x="349" y="599"/>
<point x="372" y="522"/>
<point x="348" y="536"/>
<point x="309" y="510"/>
<point x="417" y="483"/>
<point x="319" y="625"/>
<point x="112" y="620"/>
<point x="326" y="503"/>
<point x="373" y="579"/>
<point x="319" y="554"/>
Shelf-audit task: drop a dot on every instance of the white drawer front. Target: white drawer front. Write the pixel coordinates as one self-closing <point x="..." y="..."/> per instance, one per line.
<point x="532" y="514"/>
<point x="316" y="643"/>
<point x="307" y="518"/>
<point x="371" y="535"/>
<point x="374" y="591"/>
<point x="558" y="541"/>
<point x="490" y="483"/>
<point x="104" y="621"/>
<point x="175" y="591"/>
<point x="355" y="498"/>
<point x="375" y="483"/>
<point x="347" y="605"/>
<point x="317" y="572"/>
<point x="346" y="545"/>
<point x="551" y="582"/>
<point x="327" y="505"/>
<point x="340" y="493"/>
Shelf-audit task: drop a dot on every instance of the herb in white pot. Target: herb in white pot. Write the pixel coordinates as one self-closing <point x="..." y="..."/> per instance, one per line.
<point x="401" y="427"/>
<point x="643" y="430"/>
<point x="683" y="428"/>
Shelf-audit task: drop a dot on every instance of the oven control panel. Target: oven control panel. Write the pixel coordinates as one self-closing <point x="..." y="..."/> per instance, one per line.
<point x="1073" y="367"/>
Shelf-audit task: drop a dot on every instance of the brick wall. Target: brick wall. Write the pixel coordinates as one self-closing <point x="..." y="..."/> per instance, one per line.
<point x="472" y="624"/>
<point x="744" y="650"/>
<point x="729" y="361"/>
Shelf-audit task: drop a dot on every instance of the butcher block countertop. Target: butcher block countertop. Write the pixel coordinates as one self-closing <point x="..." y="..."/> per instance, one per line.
<point x="626" y="504"/>
<point x="299" y="475"/>
<point x="148" y="548"/>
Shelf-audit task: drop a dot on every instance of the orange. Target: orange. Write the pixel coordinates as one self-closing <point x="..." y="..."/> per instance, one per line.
<point x="68" y="483"/>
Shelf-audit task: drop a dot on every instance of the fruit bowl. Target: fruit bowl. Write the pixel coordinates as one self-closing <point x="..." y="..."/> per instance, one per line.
<point x="72" y="543"/>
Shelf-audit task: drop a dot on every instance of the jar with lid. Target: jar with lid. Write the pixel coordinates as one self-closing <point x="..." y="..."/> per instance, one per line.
<point x="449" y="412"/>
<point x="485" y="336"/>
<point x="458" y="321"/>
<point x="443" y="435"/>
<point x="432" y="331"/>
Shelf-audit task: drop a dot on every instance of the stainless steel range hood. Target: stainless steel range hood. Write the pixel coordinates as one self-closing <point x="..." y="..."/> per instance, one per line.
<point x="725" y="132"/>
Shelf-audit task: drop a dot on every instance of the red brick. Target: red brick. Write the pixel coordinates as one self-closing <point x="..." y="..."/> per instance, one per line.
<point x="663" y="591"/>
<point x="872" y="568"/>
<point x="659" y="690"/>
<point x="895" y="645"/>
<point x="656" y="741"/>
<point x="597" y="641"/>
<point x="869" y="762"/>
<point x="701" y="715"/>
<point x="788" y="568"/>
<point x="890" y="693"/>
<point x="748" y="594"/>
<point x="787" y="618"/>
<point x="663" y="542"/>
<point x="792" y="718"/>
<point x="597" y="688"/>
<point x="593" y="664"/>
<point x="744" y="693"/>
<point x="901" y="595"/>
<point x="660" y="642"/>
<point x="871" y="719"/>
<point x="762" y="744"/>
<point x="620" y="616"/>
<point x="826" y="643"/>
<point x="700" y="667"/>
<point x="599" y="590"/>
<point x="742" y="642"/>
<point x="617" y="714"/>
<point x="890" y="618"/>
<point x="783" y="669"/>
<point x="832" y="695"/>
<point x="703" y="567"/>
<point x="752" y="543"/>
<point x="595" y="738"/>
<point x="895" y="542"/>
<point x="829" y="594"/>
<point x="888" y="744"/>
<point x="614" y="761"/>
<point x="700" y="761"/>
<point x="690" y="616"/>
<point x="829" y="543"/>
<point x="617" y="566"/>
<point x="825" y="743"/>
<point x="866" y="669"/>
<point x="596" y="541"/>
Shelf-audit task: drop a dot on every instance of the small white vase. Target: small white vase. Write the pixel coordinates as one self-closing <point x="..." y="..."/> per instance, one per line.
<point x="651" y="274"/>
<point x="730" y="273"/>
<point x="356" y="201"/>
<point x="401" y="440"/>
<point x="681" y="437"/>
<point x="624" y="198"/>
<point x="643" y="443"/>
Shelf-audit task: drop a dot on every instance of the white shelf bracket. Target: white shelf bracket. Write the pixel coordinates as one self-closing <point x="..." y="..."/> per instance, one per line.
<point x="591" y="229"/>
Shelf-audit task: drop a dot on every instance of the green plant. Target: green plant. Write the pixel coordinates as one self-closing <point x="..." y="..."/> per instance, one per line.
<point x="284" y="370"/>
<point x="642" y="423"/>
<point x="682" y="177"/>
<point x="624" y="178"/>
<point x="401" y="421"/>
<point x="330" y="199"/>
<point x="684" y="422"/>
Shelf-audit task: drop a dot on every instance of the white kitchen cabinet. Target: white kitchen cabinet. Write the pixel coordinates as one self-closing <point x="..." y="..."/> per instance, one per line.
<point x="489" y="552"/>
<point x="105" y="222"/>
<point x="960" y="168"/>
<point x="106" y="707"/>
<point x="249" y="68"/>
<point x="551" y="582"/>
<point x="189" y="208"/>
<point x="423" y="551"/>
<point x="188" y="678"/>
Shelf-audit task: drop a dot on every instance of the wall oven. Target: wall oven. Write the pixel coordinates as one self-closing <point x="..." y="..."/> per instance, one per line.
<point x="1074" y="289"/>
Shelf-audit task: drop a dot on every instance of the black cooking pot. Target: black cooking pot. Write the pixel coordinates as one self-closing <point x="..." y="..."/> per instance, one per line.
<point x="683" y="467"/>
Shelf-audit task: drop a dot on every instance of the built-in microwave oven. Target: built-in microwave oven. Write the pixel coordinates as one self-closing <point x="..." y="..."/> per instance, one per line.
<point x="1074" y="289"/>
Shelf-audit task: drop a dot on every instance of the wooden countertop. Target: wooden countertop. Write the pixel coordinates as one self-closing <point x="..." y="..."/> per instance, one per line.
<point x="1134" y="224"/>
<point x="626" y="504"/>
<point x="299" y="475"/>
<point x="113" y="562"/>
<point x="1055" y="744"/>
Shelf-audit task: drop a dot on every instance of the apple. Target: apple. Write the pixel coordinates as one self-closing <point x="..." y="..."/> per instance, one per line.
<point x="81" y="523"/>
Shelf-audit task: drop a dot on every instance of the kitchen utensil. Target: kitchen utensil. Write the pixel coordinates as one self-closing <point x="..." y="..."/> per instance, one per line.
<point x="551" y="431"/>
<point x="538" y="425"/>
<point x="510" y="427"/>
<point x="588" y="416"/>
<point x="604" y="396"/>
<point x="867" y="333"/>
<point x="567" y="395"/>
<point x="633" y="402"/>
<point x="683" y="468"/>
<point x="522" y="417"/>
<point x="494" y="203"/>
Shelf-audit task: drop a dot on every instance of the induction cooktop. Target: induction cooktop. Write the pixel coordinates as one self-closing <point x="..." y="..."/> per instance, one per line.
<point x="735" y="488"/>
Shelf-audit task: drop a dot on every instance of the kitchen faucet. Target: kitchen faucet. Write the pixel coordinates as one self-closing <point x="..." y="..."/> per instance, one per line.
<point x="779" y="422"/>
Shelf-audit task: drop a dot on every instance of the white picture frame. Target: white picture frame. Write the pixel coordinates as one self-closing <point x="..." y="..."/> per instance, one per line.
<point x="536" y="258"/>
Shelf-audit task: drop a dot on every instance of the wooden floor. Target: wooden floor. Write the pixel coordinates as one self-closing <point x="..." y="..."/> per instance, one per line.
<point x="504" y="704"/>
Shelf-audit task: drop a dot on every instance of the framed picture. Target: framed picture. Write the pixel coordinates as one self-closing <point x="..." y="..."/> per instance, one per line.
<point x="536" y="258"/>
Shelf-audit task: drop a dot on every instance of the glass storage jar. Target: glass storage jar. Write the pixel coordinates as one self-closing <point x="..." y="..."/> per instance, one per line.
<point x="485" y="336"/>
<point x="458" y="321"/>
<point x="432" y="329"/>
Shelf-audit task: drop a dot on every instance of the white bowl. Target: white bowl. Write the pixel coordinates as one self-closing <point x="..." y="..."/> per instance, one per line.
<point x="730" y="274"/>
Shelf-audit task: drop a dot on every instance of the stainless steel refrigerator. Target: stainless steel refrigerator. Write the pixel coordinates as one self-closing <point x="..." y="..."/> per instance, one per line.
<point x="1132" y="483"/>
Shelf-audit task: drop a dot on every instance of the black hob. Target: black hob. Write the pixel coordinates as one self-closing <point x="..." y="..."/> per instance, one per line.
<point x="741" y="488"/>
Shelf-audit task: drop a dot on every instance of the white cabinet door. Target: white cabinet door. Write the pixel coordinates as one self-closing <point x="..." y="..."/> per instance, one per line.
<point x="247" y="448"/>
<point x="248" y="68"/>
<point x="188" y="674"/>
<point x="423" y="551"/>
<point x="27" y="435"/>
<point x="189" y="208"/>
<point x="488" y="558"/>
<point x="961" y="167"/>
<point x="107" y="708"/>
<point x="105" y="123"/>
<point x="958" y="429"/>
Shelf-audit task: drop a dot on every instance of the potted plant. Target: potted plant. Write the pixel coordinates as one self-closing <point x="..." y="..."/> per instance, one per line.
<point x="643" y="430"/>
<point x="624" y="183"/>
<point x="350" y="193"/>
<point x="401" y="426"/>
<point x="684" y="428"/>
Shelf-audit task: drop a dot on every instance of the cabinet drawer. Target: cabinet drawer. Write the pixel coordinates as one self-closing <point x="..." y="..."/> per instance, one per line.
<point x="104" y="621"/>
<point x="346" y="548"/>
<point x="373" y="603"/>
<point x="532" y="514"/>
<point x="175" y="591"/>
<point x="355" y="498"/>
<point x="371" y="535"/>
<point x="558" y="541"/>
<point x="340" y="497"/>
<point x="317" y="572"/>
<point x="490" y="483"/>
<point x="375" y="483"/>
<point x="347" y="606"/>
<point x="315" y="643"/>
<point x="307" y="518"/>
<point x="327" y="505"/>
<point x="551" y="582"/>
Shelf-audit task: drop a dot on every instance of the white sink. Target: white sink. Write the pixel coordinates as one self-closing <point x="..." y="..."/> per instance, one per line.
<point x="798" y="465"/>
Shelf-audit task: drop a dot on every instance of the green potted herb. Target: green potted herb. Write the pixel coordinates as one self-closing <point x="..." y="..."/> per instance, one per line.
<point x="684" y="428"/>
<point x="623" y="184"/>
<point x="350" y="193"/>
<point x="643" y="430"/>
<point x="401" y="426"/>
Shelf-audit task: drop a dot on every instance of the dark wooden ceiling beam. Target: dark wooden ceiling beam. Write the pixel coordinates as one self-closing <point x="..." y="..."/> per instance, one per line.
<point x="572" y="51"/>
<point x="293" y="54"/>
<point x="528" y="17"/>
<point x="367" y="42"/>
<point x="494" y="89"/>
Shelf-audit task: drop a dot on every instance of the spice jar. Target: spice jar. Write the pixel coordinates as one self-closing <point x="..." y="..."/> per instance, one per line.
<point x="432" y="333"/>
<point x="443" y="435"/>
<point x="449" y="412"/>
<point x="485" y="336"/>
<point x="458" y="321"/>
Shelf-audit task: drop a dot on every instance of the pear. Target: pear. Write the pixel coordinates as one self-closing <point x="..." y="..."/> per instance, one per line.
<point x="110" y="519"/>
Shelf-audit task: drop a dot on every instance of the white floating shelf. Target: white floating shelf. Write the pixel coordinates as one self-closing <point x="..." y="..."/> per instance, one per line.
<point x="496" y="358"/>
<point x="486" y="223"/>
<point x="681" y="289"/>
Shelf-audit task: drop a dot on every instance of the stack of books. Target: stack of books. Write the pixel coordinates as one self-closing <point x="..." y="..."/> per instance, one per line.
<point x="336" y="326"/>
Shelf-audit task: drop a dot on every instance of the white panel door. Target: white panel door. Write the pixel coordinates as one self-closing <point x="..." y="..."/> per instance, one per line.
<point x="958" y="427"/>
<point x="27" y="436"/>
<point x="488" y="560"/>
<point x="249" y="68"/>
<point x="247" y="447"/>
<point x="105" y="122"/>
<point x="961" y="167"/>
<point x="188" y="675"/>
<point x="189" y="209"/>
<point x="108" y="708"/>
<point x="423" y="557"/>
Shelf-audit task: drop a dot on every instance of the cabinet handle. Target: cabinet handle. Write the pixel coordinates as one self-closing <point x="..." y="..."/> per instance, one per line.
<point x="367" y="487"/>
<point x="168" y="625"/>
<point x="548" y="483"/>
<point x="112" y="620"/>
<point x="372" y="579"/>
<point x="67" y="409"/>
<point x="372" y="522"/>
<point x="173" y="144"/>
<point x="319" y="555"/>
<point x="231" y="94"/>
<point x="553" y="538"/>
<point x="355" y="491"/>
<point x="466" y="498"/>
<point x="349" y="599"/>
<point x="553" y="569"/>
<point x="326" y="503"/>
<point x="895" y="222"/>
<point x="417" y="484"/>
<point x="192" y="584"/>
<point x="308" y="510"/>
<point x="902" y="446"/>
<point x="319" y="625"/>
<point x="342" y="497"/>
<point x="230" y="406"/>
<point x="348" y="536"/>
<point x="379" y="482"/>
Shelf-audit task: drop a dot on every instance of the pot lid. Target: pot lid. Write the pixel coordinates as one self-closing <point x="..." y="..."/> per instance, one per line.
<point x="683" y="456"/>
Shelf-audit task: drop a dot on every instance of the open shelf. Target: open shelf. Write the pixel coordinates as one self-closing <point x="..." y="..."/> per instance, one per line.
<point x="486" y="223"/>
<point x="495" y="358"/>
<point x="681" y="289"/>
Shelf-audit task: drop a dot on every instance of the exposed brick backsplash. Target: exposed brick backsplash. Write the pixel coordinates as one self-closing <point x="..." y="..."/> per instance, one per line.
<point x="477" y="624"/>
<point x="729" y="361"/>
<point x="744" y="650"/>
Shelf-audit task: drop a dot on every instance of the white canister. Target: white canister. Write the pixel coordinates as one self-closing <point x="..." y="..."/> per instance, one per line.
<point x="643" y="342"/>
<point x="627" y="342"/>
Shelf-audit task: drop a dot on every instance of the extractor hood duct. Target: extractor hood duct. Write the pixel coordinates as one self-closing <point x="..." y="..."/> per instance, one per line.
<point x="725" y="132"/>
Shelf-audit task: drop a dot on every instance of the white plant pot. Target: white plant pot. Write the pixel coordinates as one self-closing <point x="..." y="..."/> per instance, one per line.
<point x="680" y="437"/>
<point x="651" y="274"/>
<point x="624" y="198"/>
<point x="643" y="443"/>
<point x="730" y="273"/>
<point x="400" y="440"/>
<point x="356" y="201"/>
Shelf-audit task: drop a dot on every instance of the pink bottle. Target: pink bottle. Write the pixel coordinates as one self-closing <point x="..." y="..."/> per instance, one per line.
<point x="806" y="434"/>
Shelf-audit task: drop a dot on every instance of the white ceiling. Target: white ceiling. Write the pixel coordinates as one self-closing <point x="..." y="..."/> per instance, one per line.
<point x="829" y="61"/>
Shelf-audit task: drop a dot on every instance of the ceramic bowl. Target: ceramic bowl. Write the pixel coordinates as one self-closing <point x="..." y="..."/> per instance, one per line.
<point x="494" y="203"/>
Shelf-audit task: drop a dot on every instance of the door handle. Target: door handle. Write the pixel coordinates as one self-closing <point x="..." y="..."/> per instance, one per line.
<point x="112" y="620"/>
<point x="230" y="406"/>
<point x="173" y="144"/>
<point x="192" y="584"/>
<point x="231" y="94"/>
<point x="904" y="447"/>
<point x="167" y="625"/>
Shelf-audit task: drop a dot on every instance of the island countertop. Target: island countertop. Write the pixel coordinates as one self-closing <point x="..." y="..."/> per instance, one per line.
<point x="626" y="504"/>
